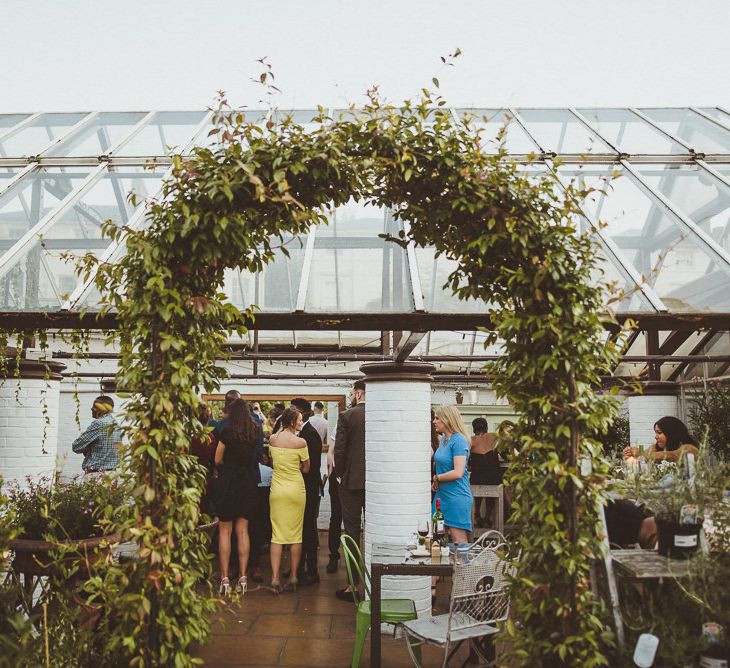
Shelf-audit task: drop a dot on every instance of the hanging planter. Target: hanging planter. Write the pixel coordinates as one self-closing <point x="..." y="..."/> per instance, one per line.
<point x="459" y="397"/>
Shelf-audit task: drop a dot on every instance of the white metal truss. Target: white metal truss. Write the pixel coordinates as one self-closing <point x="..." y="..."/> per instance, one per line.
<point x="115" y="249"/>
<point x="12" y="131"/>
<point x="625" y="268"/>
<point x="28" y="169"/>
<point x="7" y="261"/>
<point x="134" y="131"/>
<point x="78" y="127"/>
<point x="714" y="250"/>
<point x="306" y="270"/>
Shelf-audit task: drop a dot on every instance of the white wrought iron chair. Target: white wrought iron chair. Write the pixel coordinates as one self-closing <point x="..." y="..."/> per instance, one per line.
<point x="479" y="601"/>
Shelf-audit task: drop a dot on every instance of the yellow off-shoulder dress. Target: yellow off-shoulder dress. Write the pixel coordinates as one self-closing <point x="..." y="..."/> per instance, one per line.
<point x="288" y="496"/>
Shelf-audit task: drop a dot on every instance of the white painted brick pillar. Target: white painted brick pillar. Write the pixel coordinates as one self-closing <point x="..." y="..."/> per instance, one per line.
<point x="644" y="411"/>
<point x="23" y="451"/>
<point x="398" y="465"/>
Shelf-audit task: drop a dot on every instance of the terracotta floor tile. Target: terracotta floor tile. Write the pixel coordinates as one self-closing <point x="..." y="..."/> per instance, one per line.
<point x="293" y="625"/>
<point x="306" y="652"/>
<point x="229" y="650"/>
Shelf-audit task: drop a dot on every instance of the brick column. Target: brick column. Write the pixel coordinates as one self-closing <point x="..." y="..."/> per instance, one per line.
<point x="23" y="452"/>
<point x="658" y="400"/>
<point x="398" y="464"/>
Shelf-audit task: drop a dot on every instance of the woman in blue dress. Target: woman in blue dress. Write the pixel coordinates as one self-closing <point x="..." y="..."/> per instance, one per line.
<point x="451" y="480"/>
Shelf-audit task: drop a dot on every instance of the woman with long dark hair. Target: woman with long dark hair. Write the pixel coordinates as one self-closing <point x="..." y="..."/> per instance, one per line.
<point x="671" y="440"/>
<point x="234" y="495"/>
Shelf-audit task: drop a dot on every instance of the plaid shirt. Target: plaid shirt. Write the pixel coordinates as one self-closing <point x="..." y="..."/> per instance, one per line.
<point x="98" y="444"/>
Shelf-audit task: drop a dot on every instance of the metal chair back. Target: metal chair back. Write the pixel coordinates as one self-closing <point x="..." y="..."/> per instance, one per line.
<point x="479" y="594"/>
<point x="354" y="562"/>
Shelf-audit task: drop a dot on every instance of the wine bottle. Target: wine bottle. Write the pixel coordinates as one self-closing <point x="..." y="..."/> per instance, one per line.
<point x="438" y="522"/>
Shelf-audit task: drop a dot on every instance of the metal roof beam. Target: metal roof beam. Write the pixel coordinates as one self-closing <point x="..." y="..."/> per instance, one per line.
<point x="406" y="346"/>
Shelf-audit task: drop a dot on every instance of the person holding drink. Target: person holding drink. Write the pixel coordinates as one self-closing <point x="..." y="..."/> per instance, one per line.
<point x="672" y="441"/>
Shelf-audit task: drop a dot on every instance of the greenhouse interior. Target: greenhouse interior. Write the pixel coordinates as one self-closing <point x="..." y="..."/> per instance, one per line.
<point x="343" y="296"/>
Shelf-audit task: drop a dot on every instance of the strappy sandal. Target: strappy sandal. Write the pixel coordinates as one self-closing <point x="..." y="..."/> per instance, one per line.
<point x="242" y="585"/>
<point x="225" y="587"/>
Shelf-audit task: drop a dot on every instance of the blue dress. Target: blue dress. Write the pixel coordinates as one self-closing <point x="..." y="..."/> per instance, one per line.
<point x="456" y="499"/>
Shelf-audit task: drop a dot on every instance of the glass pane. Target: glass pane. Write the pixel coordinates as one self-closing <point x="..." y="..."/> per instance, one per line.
<point x="45" y="274"/>
<point x="701" y="134"/>
<point x="34" y="196"/>
<point x="98" y="137"/>
<point x="348" y="259"/>
<point x="720" y="115"/>
<point x="699" y="195"/>
<point x="274" y="289"/>
<point x="6" y="175"/>
<point x="620" y="292"/>
<point x="560" y="131"/>
<point x="108" y="199"/>
<point x="491" y="121"/>
<point x="629" y="133"/>
<point x="682" y="273"/>
<point x="8" y="121"/>
<point x="168" y="131"/>
<point x="434" y="272"/>
<point x="33" y="138"/>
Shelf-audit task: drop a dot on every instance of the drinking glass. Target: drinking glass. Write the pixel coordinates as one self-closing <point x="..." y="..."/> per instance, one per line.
<point x="422" y="532"/>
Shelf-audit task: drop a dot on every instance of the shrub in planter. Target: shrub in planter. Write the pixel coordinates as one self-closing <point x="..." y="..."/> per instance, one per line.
<point x="48" y="515"/>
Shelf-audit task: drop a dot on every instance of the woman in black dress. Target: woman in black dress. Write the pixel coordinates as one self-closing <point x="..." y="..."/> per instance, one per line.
<point x="483" y="459"/>
<point x="235" y="489"/>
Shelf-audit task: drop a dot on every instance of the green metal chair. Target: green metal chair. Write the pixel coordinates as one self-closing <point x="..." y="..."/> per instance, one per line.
<point x="393" y="610"/>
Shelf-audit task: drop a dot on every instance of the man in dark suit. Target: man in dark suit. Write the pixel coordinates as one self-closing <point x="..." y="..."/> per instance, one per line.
<point x="310" y="541"/>
<point x="350" y="467"/>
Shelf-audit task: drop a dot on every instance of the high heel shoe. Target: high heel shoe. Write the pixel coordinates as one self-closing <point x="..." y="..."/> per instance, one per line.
<point x="276" y="587"/>
<point x="225" y="587"/>
<point x="242" y="585"/>
<point x="291" y="585"/>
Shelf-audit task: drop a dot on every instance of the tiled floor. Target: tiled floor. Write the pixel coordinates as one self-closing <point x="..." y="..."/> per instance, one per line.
<point x="307" y="628"/>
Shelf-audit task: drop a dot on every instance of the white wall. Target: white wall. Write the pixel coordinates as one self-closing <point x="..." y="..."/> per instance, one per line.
<point x="644" y="411"/>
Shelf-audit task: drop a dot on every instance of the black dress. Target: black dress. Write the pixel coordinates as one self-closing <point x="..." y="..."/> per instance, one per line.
<point x="234" y="494"/>
<point x="485" y="469"/>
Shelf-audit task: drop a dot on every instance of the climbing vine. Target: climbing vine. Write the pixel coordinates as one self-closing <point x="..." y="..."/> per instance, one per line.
<point x="515" y="238"/>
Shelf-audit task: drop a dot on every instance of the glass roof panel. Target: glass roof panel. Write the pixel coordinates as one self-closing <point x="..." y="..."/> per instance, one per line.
<point x="560" y="131"/>
<point x="8" y="121"/>
<point x="719" y="114"/>
<point x="167" y="132"/>
<point x="44" y="275"/>
<point x="99" y="136"/>
<point x="629" y="132"/>
<point x="699" y="195"/>
<point x="107" y="199"/>
<point x="32" y="138"/>
<point x="6" y="174"/>
<point x="34" y="196"/>
<point x="701" y="134"/>
<point x="349" y="256"/>
<point x="679" y="269"/>
<point x="275" y="289"/>
<point x="434" y="272"/>
<point x="491" y="121"/>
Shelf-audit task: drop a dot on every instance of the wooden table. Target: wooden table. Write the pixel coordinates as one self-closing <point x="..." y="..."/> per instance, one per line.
<point x="649" y="565"/>
<point x="396" y="560"/>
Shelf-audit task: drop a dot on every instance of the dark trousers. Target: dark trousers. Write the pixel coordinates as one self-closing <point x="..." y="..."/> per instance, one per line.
<point x="353" y="503"/>
<point x="260" y="527"/>
<point x="310" y="539"/>
<point x="335" y="528"/>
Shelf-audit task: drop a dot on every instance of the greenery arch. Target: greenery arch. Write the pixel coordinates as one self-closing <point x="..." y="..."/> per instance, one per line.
<point x="225" y="206"/>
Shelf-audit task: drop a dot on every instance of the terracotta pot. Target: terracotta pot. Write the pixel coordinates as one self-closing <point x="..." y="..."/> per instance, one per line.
<point x="33" y="557"/>
<point x="675" y="540"/>
<point x="459" y="398"/>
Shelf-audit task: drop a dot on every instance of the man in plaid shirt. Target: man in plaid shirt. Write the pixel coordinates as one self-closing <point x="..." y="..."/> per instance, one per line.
<point x="100" y="442"/>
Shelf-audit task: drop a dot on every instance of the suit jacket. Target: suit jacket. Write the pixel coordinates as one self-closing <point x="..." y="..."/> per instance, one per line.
<point x="314" y="447"/>
<point x="350" y="448"/>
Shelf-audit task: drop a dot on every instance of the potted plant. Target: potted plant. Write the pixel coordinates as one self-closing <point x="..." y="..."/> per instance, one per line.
<point x="678" y="500"/>
<point x="459" y="396"/>
<point x="49" y="515"/>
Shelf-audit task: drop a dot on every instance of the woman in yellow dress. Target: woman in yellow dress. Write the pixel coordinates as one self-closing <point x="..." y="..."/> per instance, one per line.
<point x="290" y="458"/>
